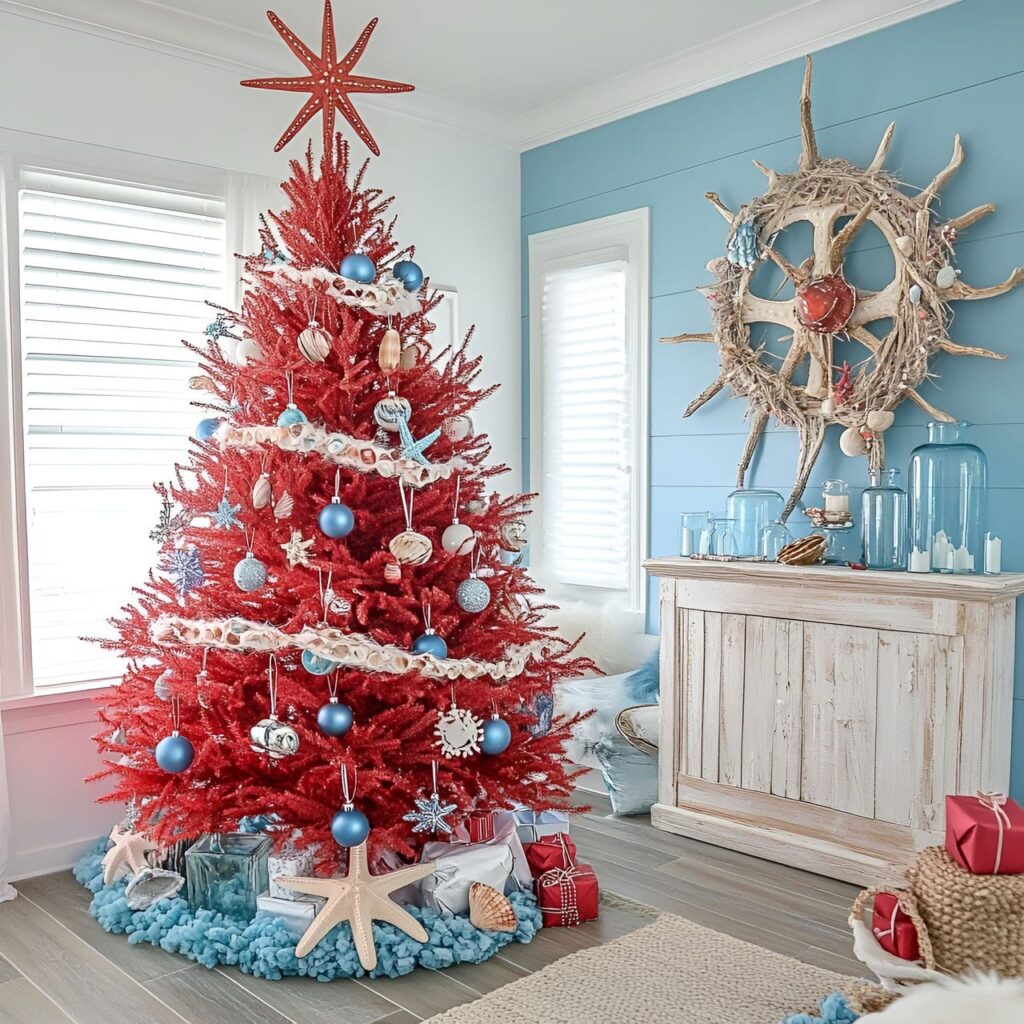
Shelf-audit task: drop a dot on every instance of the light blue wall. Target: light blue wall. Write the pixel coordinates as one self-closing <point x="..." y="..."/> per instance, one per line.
<point x="960" y="69"/>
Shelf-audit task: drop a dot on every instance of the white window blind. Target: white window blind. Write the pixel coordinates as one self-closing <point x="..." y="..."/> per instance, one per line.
<point x="113" y="276"/>
<point x="587" y="425"/>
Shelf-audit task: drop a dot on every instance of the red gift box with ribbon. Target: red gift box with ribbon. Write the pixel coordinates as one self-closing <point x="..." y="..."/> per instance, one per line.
<point x="985" y="833"/>
<point x="557" y="851"/>
<point x="567" y="896"/>
<point x="895" y="931"/>
<point x="480" y="825"/>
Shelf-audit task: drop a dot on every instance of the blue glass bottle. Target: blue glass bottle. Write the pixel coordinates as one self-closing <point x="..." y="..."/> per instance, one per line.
<point x="948" y="500"/>
<point x="884" y="522"/>
<point x="752" y="508"/>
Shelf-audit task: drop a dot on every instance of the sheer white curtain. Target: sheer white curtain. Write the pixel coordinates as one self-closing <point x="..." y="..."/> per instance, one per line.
<point x="246" y="197"/>
<point x="7" y="891"/>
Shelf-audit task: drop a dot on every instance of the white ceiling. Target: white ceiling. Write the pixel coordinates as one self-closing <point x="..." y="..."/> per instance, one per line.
<point x="524" y="71"/>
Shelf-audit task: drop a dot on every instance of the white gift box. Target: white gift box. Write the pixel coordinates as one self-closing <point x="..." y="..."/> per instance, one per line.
<point x="293" y="862"/>
<point x="457" y="867"/>
<point x="297" y="911"/>
<point x="533" y="826"/>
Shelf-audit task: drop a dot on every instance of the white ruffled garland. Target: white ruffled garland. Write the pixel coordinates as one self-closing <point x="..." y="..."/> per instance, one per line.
<point x="387" y="296"/>
<point x="346" y="649"/>
<point x="341" y="449"/>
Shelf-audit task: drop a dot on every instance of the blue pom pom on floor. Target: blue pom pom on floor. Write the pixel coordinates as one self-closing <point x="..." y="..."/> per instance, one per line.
<point x="264" y="948"/>
<point x="834" y="1009"/>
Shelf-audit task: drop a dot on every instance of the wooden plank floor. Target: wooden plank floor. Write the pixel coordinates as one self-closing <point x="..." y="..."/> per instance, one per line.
<point x="57" y="966"/>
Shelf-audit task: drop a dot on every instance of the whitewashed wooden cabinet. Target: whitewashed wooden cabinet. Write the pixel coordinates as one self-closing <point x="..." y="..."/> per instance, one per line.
<point x="818" y="716"/>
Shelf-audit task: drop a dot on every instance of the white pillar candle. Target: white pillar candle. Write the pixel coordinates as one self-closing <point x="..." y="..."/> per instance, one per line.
<point x="837" y="503"/>
<point x="686" y="541"/>
<point x="920" y="561"/>
<point x="993" y="555"/>
<point x="960" y="559"/>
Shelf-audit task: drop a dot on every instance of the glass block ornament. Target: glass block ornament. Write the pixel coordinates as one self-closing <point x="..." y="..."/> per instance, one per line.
<point x="226" y="872"/>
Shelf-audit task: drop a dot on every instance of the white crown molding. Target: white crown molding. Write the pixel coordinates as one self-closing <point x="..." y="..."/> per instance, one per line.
<point x="813" y="26"/>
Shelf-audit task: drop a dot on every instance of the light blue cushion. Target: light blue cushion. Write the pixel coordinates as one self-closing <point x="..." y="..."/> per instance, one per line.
<point x="644" y="685"/>
<point x="630" y="775"/>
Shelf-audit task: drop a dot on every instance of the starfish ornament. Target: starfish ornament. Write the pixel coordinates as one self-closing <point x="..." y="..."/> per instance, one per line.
<point x="296" y="550"/>
<point x="359" y="898"/>
<point x="329" y="81"/>
<point x="431" y="816"/>
<point x="129" y="851"/>
<point x="225" y="515"/>
<point x="411" y="448"/>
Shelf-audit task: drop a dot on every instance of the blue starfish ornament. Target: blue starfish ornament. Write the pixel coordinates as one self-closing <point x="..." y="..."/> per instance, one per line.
<point x="411" y="448"/>
<point x="430" y="816"/>
<point x="226" y="515"/>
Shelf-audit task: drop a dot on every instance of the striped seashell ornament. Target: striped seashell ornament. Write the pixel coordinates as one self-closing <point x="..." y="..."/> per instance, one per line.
<point x="389" y="355"/>
<point x="411" y="548"/>
<point x="284" y="507"/>
<point x="314" y="345"/>
<point x="393" y="572"/>
<point x="490" y="910"/>
<point x="261" y="493"/>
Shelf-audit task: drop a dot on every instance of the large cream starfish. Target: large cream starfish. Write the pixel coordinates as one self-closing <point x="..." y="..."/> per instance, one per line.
<point x="359" y="898"/>
<point x="129" y="850"/>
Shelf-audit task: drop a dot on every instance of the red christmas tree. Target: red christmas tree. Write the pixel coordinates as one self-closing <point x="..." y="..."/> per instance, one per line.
<point x="206" y="629"/>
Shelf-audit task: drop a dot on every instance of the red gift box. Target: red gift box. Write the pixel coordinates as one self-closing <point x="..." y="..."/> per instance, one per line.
<point x="567" y="896"/>
<point x="985" y="833"/>
<point x="895" y="931"/>
<point x="550" y="852"/>
<point x="480" y="825"/>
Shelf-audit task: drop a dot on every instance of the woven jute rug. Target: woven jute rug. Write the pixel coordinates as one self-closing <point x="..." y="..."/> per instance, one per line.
<point x="668" y="972"/>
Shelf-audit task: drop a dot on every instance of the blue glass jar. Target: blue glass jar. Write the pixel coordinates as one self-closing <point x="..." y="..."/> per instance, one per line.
<point x="948" y="500"/>
<point x="752" y="508"/>
<point x="227" y="872"/>
<point x="843" y="544"/>
<point x="884" y="519"/>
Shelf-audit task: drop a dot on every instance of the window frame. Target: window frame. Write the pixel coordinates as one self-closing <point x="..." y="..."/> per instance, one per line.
<point x="19" y="153"/>
<point x="624" y="236"/>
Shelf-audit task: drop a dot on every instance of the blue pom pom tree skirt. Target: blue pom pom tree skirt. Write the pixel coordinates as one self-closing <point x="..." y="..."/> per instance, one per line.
<point x="265" y="948"/>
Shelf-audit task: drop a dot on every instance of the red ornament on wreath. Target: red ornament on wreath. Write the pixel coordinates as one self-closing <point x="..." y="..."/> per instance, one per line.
<point x="825" y="304"/>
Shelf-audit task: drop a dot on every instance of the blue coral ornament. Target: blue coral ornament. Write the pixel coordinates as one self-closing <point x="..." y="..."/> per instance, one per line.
<point x="834" y="1009"/>
<point x="357" y="266"/>
<point x="742" y="250"/>
<point x="409" y="273"/>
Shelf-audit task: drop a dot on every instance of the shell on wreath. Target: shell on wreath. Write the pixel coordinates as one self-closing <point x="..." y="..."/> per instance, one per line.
<point x="411" y="548"/>
<point x="880" y="420"/>
<point x="490" y="910"/>
<point x="905" y="244"/>
<point x="914" y="294"/>
<point x="314" y="344"/>
<point x="851" y="442"/>
<point x="284" y="507"/>
<point x="389" y="354"/>
<point x="828" y="406"/>
<point x="261" y="493"/>
<point x="945" y="277"/>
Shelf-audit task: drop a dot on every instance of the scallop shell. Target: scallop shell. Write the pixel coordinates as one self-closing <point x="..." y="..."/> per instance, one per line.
<point x="490" y="910"/>
<point x="851" y="443"/>
<point x="946" y="277"/>
<point x="261" y="495"/>
<point x="314" y="344"/>
<point x="389" y="354"/>
<point x="880" y="420"/>
<point x="411" y="548"/>
<point x="284" y="507"/>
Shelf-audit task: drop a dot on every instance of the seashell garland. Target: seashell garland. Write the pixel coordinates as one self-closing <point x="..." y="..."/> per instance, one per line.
<point x="389" y="355"/>
<point x="805" y="551"/>
<point x="490" y="910"/>
<point x="261" y="493"/>
<point x="314" y="344"/>
<point x="411" y="548"/>
<point x="284" y="507"/>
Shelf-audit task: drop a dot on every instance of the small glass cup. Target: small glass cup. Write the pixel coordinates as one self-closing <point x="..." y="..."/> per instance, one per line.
<point x="723" y="537"/>
<point x="837" y="496"/>
<point x="774" y="537"/>
<point x="694" y="533"/>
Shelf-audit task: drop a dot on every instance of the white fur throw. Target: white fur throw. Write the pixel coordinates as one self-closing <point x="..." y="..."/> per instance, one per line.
<point x="977" y="999"/>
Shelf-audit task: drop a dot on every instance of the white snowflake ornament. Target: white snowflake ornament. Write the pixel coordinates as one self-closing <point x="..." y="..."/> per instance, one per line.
<point x="459" y="732"/>
<point x="431" y="816"/>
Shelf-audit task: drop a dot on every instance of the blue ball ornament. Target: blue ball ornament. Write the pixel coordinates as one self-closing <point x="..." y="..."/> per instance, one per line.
<point x="497" y="736"/>
<point x="334" y="719"/>
<point x="337" y="520"/>
<point x="349" y="827"/>
<point x="316" y="665"/>
<point x="174" y="753"/>
<point x="290" y="415"/>
<point x="430" y="643"/>
<point x="207" y="428"/>
<point x="357" y="266"/>
<point x="409" y="274"/>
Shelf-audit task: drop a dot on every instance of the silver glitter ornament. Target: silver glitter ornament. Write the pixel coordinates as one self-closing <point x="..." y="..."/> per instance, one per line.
<point x="472" y="594"/>
<point x="250" y="573"/>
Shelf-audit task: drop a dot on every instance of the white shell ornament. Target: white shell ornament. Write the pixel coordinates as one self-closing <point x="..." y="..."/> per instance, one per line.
<point x="458" y="731"/>
<point x="411" y="548"/>
<point x="513" y="535"/>
<point x="946" y="277"/>
<point x="458" y="539"/>
<point x="851" y="443"/>
<point x="457" y="428"/>
<point x="314" y="345"/>
<point x="284" y="507"/>
<point x="261" y="493"/>
<point x="880" y="420"/>
<point x="391" y="410"/>
<point x="389" y="355"/>
<point x="274" y="738"/>
<point x="472" y="594"/>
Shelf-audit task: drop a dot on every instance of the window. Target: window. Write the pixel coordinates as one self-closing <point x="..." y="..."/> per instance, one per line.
<point x="588" y="380"/>
<point x="112" y="277"/>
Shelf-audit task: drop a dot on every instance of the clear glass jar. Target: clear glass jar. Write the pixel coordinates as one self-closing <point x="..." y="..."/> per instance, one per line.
<point x="842" y="545"/>
<point x="695" y="533"/>
<point x="752" y="509"/>
<point x="723" y="537"/>
<point x="948" y="500"/>
<point x="226" y="872"/>
<point x="774" y="537"/>
<point x="836" y="495"/>
<point x="884" y="518"/>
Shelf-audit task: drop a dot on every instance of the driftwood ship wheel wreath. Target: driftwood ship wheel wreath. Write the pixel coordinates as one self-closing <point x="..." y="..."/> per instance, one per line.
<point x="824" y="191"/>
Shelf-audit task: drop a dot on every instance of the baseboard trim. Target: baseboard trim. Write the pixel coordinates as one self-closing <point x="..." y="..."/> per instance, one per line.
<point x="44" y="860"/>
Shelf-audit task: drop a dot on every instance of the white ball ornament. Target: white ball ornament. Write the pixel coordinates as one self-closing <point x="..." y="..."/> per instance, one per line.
<point x="458" y="539"/>
<point x="391" y="410"/>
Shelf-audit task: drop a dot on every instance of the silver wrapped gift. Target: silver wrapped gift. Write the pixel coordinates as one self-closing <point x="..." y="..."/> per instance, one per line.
<point x="456" y="868"/>
<point x="289" y="861"/>
<point x="297" y="912"/>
